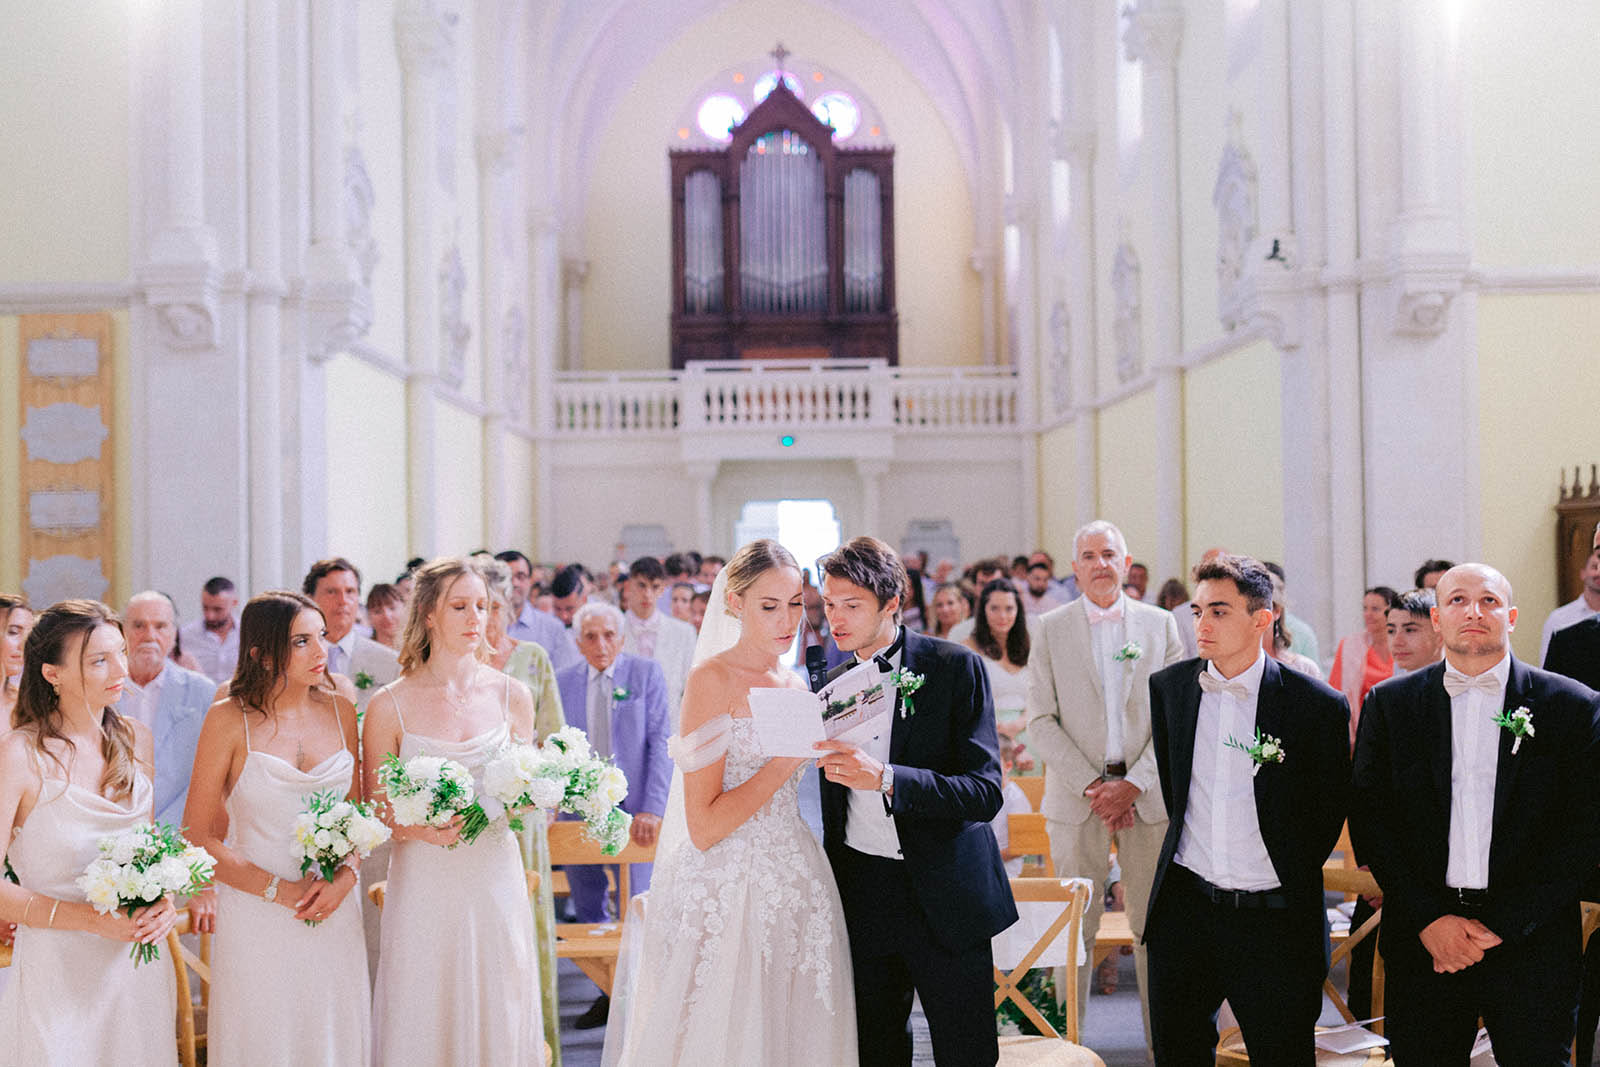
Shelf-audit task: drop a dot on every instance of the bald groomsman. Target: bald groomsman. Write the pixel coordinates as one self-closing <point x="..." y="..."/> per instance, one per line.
<point x="1476" y="806"/>
<point x="1089" y="720"/>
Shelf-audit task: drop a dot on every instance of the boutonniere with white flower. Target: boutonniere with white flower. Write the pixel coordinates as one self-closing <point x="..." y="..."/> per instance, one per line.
<point x="1264" y="749"/>
<point x="1519" y="722"/>
<point x="620" y="693"/>
<point x="363" y="680"/>
<point x="906" y="682"/>
<point x="1129" y="653"/>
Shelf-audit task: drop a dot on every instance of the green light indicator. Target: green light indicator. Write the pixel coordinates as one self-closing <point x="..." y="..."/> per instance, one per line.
<point x="787" y="440"/>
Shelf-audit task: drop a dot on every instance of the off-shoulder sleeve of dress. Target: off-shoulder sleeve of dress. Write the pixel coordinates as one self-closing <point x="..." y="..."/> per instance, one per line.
<point x="704" y="746"/>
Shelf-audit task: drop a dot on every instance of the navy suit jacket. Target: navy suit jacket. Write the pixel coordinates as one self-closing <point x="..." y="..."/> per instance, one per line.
<point x="1300" y="803"/>
<point x="1546" y="834"/>
<point x="946" y="761"/>
<point x="640" y="726"/>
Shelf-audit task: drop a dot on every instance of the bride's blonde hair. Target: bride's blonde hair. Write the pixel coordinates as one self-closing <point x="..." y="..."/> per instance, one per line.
<point x="752" y="561"/>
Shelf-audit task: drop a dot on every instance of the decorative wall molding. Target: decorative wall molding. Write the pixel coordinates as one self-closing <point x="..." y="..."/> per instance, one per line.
<point x="359" y="199"/>
<point x="1127" y="324"/>
<point x="513" y="346"/>
<point x="1060" y="357"/>
<point x="454" y="333"/>
<point x="28" y="298"/>
<point x="1238" y="218"/>
<point x="184" y="297"/>
<point x="1422" y="287"/>
<point x="64" y="432"/>
<point x="1552" y="280"/>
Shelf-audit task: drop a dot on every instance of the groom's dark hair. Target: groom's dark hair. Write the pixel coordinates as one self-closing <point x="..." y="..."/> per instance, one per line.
<point x="869" y="563"/>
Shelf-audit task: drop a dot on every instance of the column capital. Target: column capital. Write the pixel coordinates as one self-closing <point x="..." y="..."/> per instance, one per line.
<point x="1154" y="34"/>
<point x="422" y="36"/>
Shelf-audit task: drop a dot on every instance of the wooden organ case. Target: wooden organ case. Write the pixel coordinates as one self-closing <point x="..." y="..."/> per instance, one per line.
<point x="783" y="243"/>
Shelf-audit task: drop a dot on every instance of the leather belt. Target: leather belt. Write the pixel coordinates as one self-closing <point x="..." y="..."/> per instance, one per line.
<point x="1239" y="899"/>
<point x="1118" y="769"/>
<point x="1468" y="899"/>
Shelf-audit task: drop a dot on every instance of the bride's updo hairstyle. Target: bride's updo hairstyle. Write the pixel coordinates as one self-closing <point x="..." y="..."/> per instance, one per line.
<point x="432" y="580"/>
<point x="751" y="562"/>
<point x="38" y="709"/>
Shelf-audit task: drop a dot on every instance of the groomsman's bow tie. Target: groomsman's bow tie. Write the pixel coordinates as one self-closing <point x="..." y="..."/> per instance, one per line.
<point x="1212" y="684"/>
<point x="1456" y="683"/>
<point x="1099" y="614"/>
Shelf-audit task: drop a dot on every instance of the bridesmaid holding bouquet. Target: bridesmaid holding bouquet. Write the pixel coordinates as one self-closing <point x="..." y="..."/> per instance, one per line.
<point x="458" y="979"/>
<point x="284" y="991"/>
<point x="73" y="772"/>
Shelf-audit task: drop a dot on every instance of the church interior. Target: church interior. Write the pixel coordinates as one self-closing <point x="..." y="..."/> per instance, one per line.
<point x="1319" y="282"/>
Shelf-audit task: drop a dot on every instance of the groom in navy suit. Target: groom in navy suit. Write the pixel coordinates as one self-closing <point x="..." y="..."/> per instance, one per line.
<point x="906" y="826"/>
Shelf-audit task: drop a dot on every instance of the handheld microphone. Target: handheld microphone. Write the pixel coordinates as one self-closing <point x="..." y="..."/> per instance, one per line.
<point x="816" y="667"/>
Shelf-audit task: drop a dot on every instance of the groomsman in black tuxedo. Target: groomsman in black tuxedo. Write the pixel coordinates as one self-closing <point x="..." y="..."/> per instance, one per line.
<point x="1476" y="806"/>
<point x="905" y="820"/>
<point x="1254" y="762"/>
<point x="1575" y="650"/>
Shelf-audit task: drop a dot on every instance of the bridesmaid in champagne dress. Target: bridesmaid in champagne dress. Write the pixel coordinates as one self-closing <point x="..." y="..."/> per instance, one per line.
<point x="71" y="773"/>
<point x="282" y="992"/>
<point x="458" y="978"/>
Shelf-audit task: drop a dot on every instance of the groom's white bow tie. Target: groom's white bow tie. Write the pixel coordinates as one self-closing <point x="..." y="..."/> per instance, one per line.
<point x="1456" y="683"/>
<point x="1212" y="684"/>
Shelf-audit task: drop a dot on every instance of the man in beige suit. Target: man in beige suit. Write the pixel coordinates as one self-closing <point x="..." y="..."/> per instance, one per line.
<point x="1089" y="720"/>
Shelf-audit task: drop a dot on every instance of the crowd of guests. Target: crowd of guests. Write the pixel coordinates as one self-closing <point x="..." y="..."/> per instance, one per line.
<point x="224" y="723"/>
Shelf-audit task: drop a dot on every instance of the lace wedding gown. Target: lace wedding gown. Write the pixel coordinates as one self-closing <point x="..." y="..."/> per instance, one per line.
<point x="738" y="953"/>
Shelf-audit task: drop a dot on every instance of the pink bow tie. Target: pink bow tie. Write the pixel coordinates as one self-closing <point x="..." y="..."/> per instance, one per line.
<point x="1212" y="684"/>
<point x="1456" y="683"/>
<point x="1099" y="614"/>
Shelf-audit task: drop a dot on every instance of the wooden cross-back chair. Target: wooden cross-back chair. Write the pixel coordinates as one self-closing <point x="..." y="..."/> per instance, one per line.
<point x="594" y="947"/>
<point x="192" y="1024"/>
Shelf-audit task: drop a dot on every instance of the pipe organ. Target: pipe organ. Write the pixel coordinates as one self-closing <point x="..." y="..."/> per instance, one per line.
<point x="783" y="243"/>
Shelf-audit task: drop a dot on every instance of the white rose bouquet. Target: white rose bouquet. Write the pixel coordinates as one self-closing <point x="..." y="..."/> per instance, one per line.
<point x="138" y="867"/>
<point x="430" y="791"/>
<point x="332" y="831"/>
<point x="588" y="786"/>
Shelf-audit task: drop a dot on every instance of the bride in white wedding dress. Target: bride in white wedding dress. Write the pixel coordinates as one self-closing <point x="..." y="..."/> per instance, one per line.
<point x="738" y="953"/>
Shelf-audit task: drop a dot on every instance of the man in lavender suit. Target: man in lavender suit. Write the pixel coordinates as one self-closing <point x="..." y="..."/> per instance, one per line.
<point x="620" y="701"/>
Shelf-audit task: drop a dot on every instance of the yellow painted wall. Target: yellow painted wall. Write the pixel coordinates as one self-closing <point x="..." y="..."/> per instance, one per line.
<point x="71" y="153"/>
<point x="1535" y="354"/>
<point x="366" y="424"/>
<point x="1233" y="454"/>
<point x="626" y="232"/>
<point x="10" y="455"/>
<point x="523" y="474"/>
<point x="1127" y="446"/>
<point x="1058" y="487"/>
<point x="1529" y="81"/>
<point x="458" y="446"/>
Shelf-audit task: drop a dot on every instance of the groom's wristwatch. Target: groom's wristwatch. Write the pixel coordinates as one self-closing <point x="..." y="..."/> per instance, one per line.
<point x="886" y="779"/>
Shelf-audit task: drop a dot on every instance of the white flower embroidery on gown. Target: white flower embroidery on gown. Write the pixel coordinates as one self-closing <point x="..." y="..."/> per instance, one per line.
<point x="741" y="954"/>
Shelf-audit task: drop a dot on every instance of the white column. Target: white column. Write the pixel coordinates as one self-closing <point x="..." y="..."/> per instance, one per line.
<point x="266" y="297"/>
<point x="982" y="262"/>
<point x="1076" y="145"/>
<point x="871" y="472"/>
<point x="704" y="476"/>
<point x="574" y="272"/>
<point x="496" y="152"/>
<point x="1155" y="29"/>
<point x="423" y="42"/>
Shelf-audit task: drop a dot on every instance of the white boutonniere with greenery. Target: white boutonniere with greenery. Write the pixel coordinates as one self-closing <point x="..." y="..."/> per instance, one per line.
<point x="1519" y="722"/>
<point x="621" y="693"/>
<point x="906" y="683"/>
<point x="1129" y="653"/>
<point x="1264" y="749"/>
<point x="363" y="680"/>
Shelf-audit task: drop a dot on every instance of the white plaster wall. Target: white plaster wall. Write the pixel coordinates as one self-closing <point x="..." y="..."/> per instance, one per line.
<point x="378" y="123"/>
<point x="591" y="503"/>
<point x="979" y="497"/>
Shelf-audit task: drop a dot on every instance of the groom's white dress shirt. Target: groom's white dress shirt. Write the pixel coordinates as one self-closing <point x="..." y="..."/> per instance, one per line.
<point x="868" y="825"/>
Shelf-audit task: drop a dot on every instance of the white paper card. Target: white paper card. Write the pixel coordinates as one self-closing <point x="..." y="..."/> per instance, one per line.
<point x="788" y="721"/>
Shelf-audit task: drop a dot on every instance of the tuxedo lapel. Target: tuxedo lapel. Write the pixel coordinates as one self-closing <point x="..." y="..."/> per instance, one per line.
<point x="912" y="660"/>
<point x="1440" y="734"/>
<point x="1186" y="714"/>
<point x="1518" y="685"/>
<point x="1082" y="643"/>
<point x="1271" y="717"/>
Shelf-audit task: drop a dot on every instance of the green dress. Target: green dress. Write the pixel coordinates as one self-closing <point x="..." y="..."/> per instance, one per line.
<point x="530" y="665"/>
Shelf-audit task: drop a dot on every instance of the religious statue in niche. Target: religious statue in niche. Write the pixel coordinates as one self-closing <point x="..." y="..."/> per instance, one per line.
<point x="358" y="201"/>
<point x="454" y="333"/>
<point x="1127" y="329"/>
<point x="1060" y="356"/>
<point x="1234" y="197"/>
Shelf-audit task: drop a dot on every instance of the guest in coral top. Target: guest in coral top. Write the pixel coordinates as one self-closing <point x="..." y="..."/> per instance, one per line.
<point x="1363" y="659"/>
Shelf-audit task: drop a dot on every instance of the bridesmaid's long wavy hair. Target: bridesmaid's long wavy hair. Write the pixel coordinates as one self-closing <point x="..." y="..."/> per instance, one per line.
<point x="1017" y="643"/>
<point x="432" y="580"/>
<point x="264" y="628"/>
<point x="38" y="710"/>
<point x="11" y="603"/>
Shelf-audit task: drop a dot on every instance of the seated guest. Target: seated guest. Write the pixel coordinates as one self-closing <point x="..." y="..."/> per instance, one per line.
<point x="1584" y="607"/>
<point x="914" y="615"/>
<point x="1301" y="636"/>
<point x="528" y="622"/>
<point x="620" y="701"/>
<point x="1173" y="593"/>
<point x="1184" y="612"/>
<point x="710" y="567"/>
<point x="1475" y="804"/>
<point x="386" y="613"/>
<point x="1001" y="638"/>
<point x="651" y="634"/>
<point x="1038" y="594"/>
<point x="697" y="608"/>
<point x="1277" y="641"/>
<point x="1430" y="572"/>
<point x="335" y="585"/>
<point x="213" y="639"/>
<point x="950" y="606"/>
<point x="1413" y="641"/>
<point x="568" y="591"/>
<point x="167" y="698"/>
<point x="1138" y="580"/>
<point x="1362" y="660"/>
